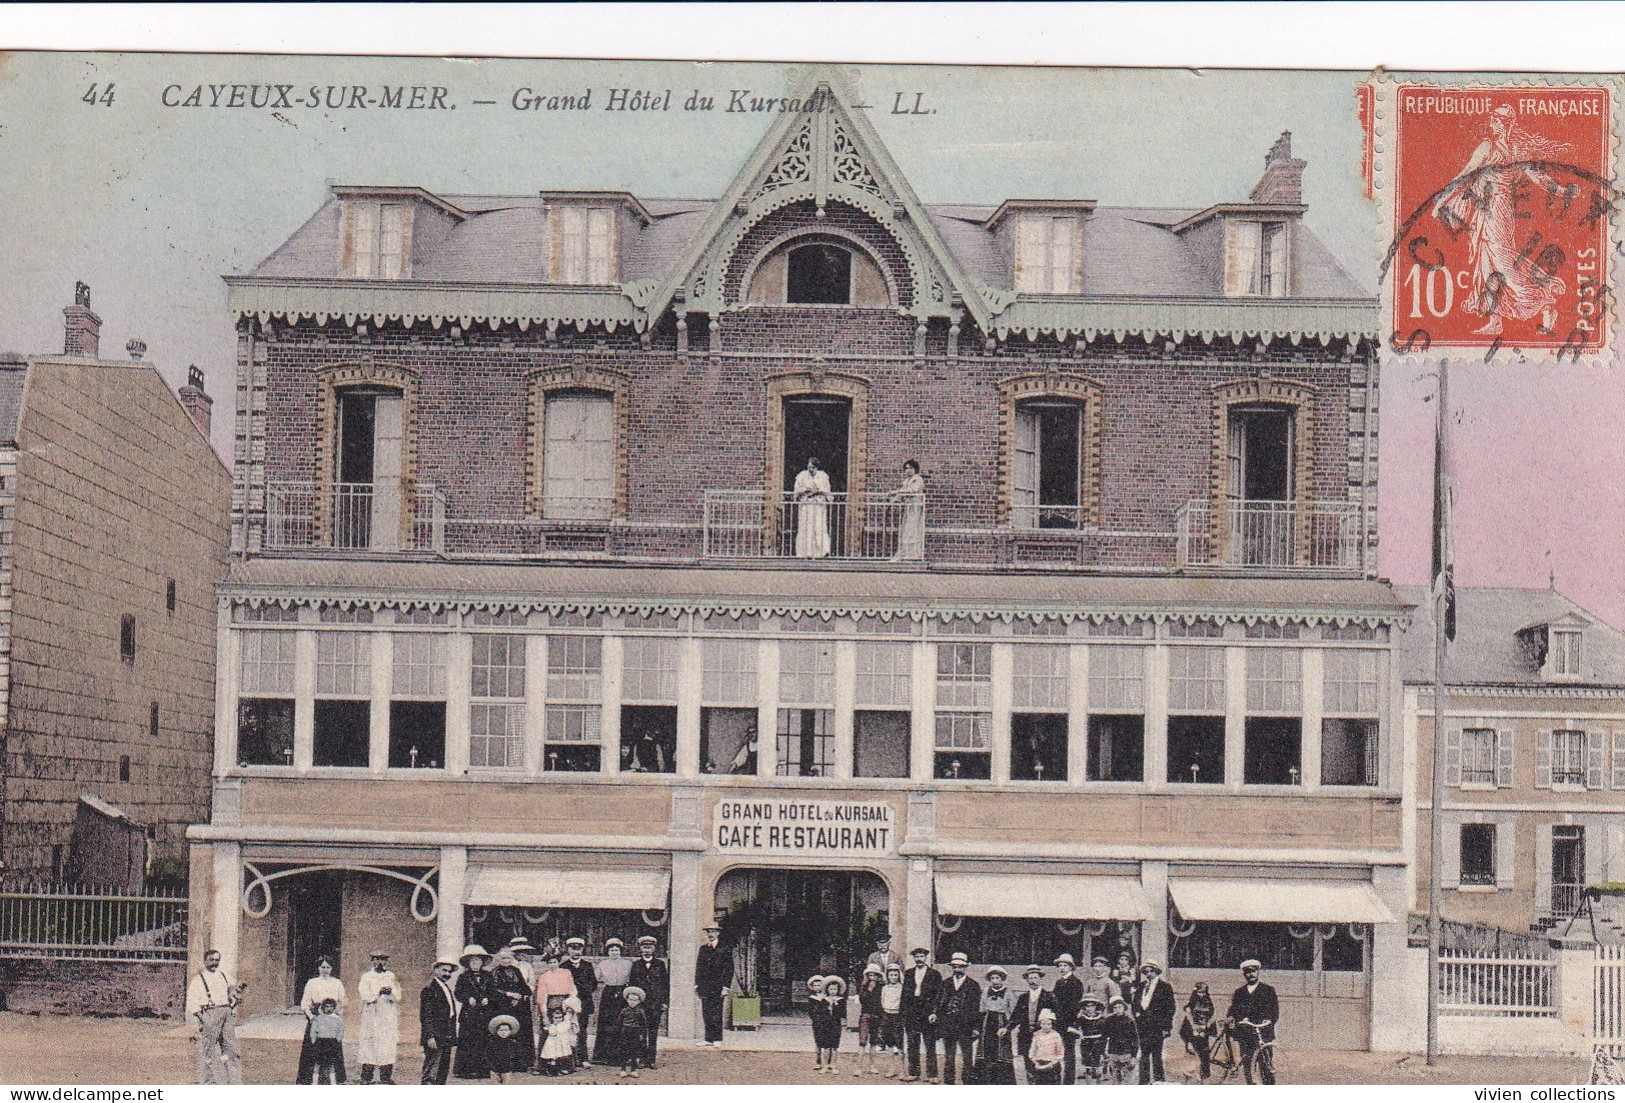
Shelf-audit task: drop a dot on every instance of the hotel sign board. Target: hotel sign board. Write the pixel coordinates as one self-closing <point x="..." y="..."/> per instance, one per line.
<point x="815" y="828"/>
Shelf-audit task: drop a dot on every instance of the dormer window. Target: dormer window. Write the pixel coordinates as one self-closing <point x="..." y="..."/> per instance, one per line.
<point x="1048" y="247"/>
<point x="583" y="244"/>
<point x="379" y="240"/>
<point x="1255" y="258"/>
<point x="1565" y="654"/>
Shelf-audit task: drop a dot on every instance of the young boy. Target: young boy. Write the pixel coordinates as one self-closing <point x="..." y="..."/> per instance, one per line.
<point x="869" y="1016"/>
<point x="1047" y="1050"/>
<point x="633" y="1030"/>
<point x="327" y="1032"/>
<point x="1091" y="1032"/>
<point x="1122" y="1043"/>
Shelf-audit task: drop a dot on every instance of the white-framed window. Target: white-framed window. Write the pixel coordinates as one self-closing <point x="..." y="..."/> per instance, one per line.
<point x="502" y="618"/>
<point x="1116" y="679"/>
<point x="1255" y="258"/>
<point x="496" y="709"/>
<point x="343" y="664"/>
<point x="379" y="240"/>
<point x="885" y="676"/>
<point x="574" y="726"/>
<point x="1274" y="680"/>
<point x="267" y="664"/>
<point x="1566" y="653"/>
<point x="1478" y="756"/>
<point x="417" y="706"/>
<point x="265" y="699"/>
<point x="964" y="676"/>
<point x="649" y="669"/>
<point x="1350" y="683"/>
<point x="963" y="725"/>
<point x="419" y="665"/>
<point x="807" y="672"/>
<point x="585" y="245"/>
<point x="1196" y="679"/>
<point x="1562" y="759"/>
<point x="1048" y="248"/>
<point x="1041" y="677"/>
<point x="728" y="672"/>
<point x="578" y="456"/>
<point x="343" y="690"/>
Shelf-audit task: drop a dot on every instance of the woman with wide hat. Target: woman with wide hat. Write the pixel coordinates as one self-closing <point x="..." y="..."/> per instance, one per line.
<point x="477" y="1004"/>
<point x="516" y="1052"/>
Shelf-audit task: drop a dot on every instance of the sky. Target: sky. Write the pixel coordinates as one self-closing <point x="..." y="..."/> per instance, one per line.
<point x="151" y="205"/>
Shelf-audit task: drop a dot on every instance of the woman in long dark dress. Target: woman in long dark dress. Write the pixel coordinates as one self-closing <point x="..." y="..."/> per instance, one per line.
<point x="323" y="986"/>
<point x="515" y="1054"/>
<point x="996" y="1043"/>
<point x="477" y="999"/>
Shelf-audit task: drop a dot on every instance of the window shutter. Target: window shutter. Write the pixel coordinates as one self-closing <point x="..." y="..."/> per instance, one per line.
<point x="1619" y="759"/>
<point x="347" y="239"/>
<point x="1452" y="756"/>
<point x="1543" y="869"/>
<point x="1241" y="242"/>
<point x="1594" y="760"/>
<point x="1506" y="851"/>
<point x="1450" y="871"/>
<point x="1543" y="763"/>
<point x="1504" y="764"/>
<point x="1236" y="461"/>
<point x="1032" y="264"/>
<point x="1024" y="472"/>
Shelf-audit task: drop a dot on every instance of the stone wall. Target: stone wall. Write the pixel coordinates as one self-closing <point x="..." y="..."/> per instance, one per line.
<point x="95" y="988"/>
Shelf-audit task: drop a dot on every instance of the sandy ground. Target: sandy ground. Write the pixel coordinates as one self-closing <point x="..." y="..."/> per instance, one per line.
<point x="50" y="1050"/>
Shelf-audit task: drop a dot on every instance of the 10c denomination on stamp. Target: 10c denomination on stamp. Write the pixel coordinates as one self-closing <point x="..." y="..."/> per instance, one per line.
<point x="1503" y="203"/>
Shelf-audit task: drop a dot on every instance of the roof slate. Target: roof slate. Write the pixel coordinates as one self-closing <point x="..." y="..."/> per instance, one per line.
<point x="1486" y="650"/>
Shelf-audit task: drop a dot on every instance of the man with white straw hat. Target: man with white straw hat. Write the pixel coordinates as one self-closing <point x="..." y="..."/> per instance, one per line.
<point x="1153" y="1019"/>
<point x="1025" y="1017"/>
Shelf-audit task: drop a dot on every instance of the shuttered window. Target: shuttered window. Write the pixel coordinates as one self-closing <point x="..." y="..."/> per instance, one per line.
<point x="578" y="456"/>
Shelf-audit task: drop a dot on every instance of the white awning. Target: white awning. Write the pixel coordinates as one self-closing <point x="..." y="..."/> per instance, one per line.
<point x="1041" y="896"/>
<point x="1278" y="900"/>
<point x="530" y="887"/>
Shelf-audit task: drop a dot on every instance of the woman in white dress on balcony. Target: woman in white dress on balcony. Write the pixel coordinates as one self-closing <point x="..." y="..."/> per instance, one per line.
<point x="911" y="525"/>
<point x="812" y="498"/>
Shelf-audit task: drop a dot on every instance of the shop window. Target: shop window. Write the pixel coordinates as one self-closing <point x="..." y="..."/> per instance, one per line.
<point x="573" y="732"/>
<point x="265" y="731"/>
<point x="649" y="739"/>
<point x="880" y="744"/>
<point x="1038" y="746"/>
<point x="1272" y="752"/>
<point x="1348" y="752"/>
<point x="806" y="743"/>
<point x="1116" y="750"/>
<point x="417" y="735"/>
<point x="1342" y="948"/>
<point x="1220" y="945"/>
<point x="342" y="734"/>
<point x="496" y="716"/>
<point x="1478" y="854"/>
<point x="1047" y="465"/>
<point x="1196" y="750"/>
<point x="728" y="741"/>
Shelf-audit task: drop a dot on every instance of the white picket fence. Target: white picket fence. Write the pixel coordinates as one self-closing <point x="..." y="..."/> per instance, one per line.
<point x="1519" y="988"/>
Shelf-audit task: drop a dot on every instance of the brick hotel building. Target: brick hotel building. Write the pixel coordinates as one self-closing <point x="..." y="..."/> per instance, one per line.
<point x="529" y="632"/>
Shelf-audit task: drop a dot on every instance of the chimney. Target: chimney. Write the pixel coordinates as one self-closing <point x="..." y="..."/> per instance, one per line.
<point x="83" y="329"/>
<point x="1282" y="181"/>
<point x="196" y="402"/>
<point x="136" y="347"/>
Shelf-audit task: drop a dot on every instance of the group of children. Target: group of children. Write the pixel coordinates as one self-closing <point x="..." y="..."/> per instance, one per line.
<point x="626" y="1041"/>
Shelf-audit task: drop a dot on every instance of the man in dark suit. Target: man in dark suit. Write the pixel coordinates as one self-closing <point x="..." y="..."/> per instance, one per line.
<point x="1068" y="994"/>
<point x="650" y="974"/>
<point x="586" y="978"/>
<point x="959" y="1015"/>
<point x="713" y="973"/>
<point x="437" y="1022"/>
<point x="1255" y="1009"/>
<point x="922" y="989"/>
<point x="1024" y="1017"/>
<point x="1153" y="1008"/>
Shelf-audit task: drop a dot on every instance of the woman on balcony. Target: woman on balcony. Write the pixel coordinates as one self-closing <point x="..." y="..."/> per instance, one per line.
<point x="812" y="497"/>
<point x="911" y="525"/>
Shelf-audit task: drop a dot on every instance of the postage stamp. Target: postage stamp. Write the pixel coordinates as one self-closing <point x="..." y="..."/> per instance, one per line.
<point x="1503" y="206"/>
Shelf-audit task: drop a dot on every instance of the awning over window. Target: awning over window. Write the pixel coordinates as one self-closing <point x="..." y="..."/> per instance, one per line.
<point x="1041" y="896"/>
<point x="1266" y="900"/>
<point x="527" y="887"/>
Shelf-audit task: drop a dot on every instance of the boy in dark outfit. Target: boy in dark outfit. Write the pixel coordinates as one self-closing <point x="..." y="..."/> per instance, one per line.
<point x="632" y="1031"/>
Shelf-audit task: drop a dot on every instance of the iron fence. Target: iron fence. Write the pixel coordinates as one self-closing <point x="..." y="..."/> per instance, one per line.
<point x="92" y="924"/>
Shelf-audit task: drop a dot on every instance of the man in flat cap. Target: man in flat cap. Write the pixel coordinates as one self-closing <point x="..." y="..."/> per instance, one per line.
<point x="437" y="1022"/>
<point x="713" y="973"/>
<point x="1068" y="994"/>
<point x="1255" y="1009"/>
<point x="959" y="1010"/>
<point x="586" y="978"/>
<point x="922" y="989"/>
<point x="884" y="956"/>
<point x="651" y="974"/>
<point x="1099" y="982"/>
<point x="1025" y="1016"/>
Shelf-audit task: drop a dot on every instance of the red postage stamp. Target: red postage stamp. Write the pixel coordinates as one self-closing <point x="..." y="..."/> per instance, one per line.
<point x="1504" y="203"/>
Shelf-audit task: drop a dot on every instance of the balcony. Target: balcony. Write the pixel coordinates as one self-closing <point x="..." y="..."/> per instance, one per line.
<point x="752" y="524"/>
<point x="1286" y="536"/>
<point x="384" y="517"/>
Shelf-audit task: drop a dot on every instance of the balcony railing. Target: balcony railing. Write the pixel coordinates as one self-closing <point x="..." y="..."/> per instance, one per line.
<point x="751" y="524"/>
<point x="1566" y="900"/>
<point x="1316" y="536"/>
<point x="354" y="516"/>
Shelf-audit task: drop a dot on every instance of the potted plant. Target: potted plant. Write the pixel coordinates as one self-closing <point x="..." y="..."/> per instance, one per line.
<point x="739" y="933"/>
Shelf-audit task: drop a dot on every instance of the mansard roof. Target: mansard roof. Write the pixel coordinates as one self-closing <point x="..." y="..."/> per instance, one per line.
<point x="1142" y="274"/>
<point x="1487" y="651"/>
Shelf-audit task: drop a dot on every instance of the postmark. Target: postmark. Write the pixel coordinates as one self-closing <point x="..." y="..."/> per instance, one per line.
<point x="1504" y="208"/>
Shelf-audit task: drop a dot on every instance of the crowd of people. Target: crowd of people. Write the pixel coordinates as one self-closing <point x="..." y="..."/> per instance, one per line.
<point x="552" y="1012"/>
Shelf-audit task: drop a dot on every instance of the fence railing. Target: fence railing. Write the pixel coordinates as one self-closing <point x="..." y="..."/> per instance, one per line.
<point x="88" y="924"/>
<point x="749" y="524"/>
<point x="1322" y="536"/>
<point x="1502" y="987"/>
<point x="1480" y="940"/>
<point x="354" y="516"/>
<point x="1566" y="900"/>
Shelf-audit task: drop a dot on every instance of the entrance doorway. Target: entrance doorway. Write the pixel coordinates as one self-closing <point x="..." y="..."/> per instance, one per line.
<point x="1568" y="868"/>
<point x="315" y="925"/>
<point x="785" y="925"/>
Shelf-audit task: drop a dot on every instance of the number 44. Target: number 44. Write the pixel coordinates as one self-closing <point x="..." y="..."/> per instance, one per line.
<point x="99" y="95"/>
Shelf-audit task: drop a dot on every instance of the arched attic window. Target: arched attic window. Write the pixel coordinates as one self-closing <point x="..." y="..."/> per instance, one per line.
<point x="819" y="271"/>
